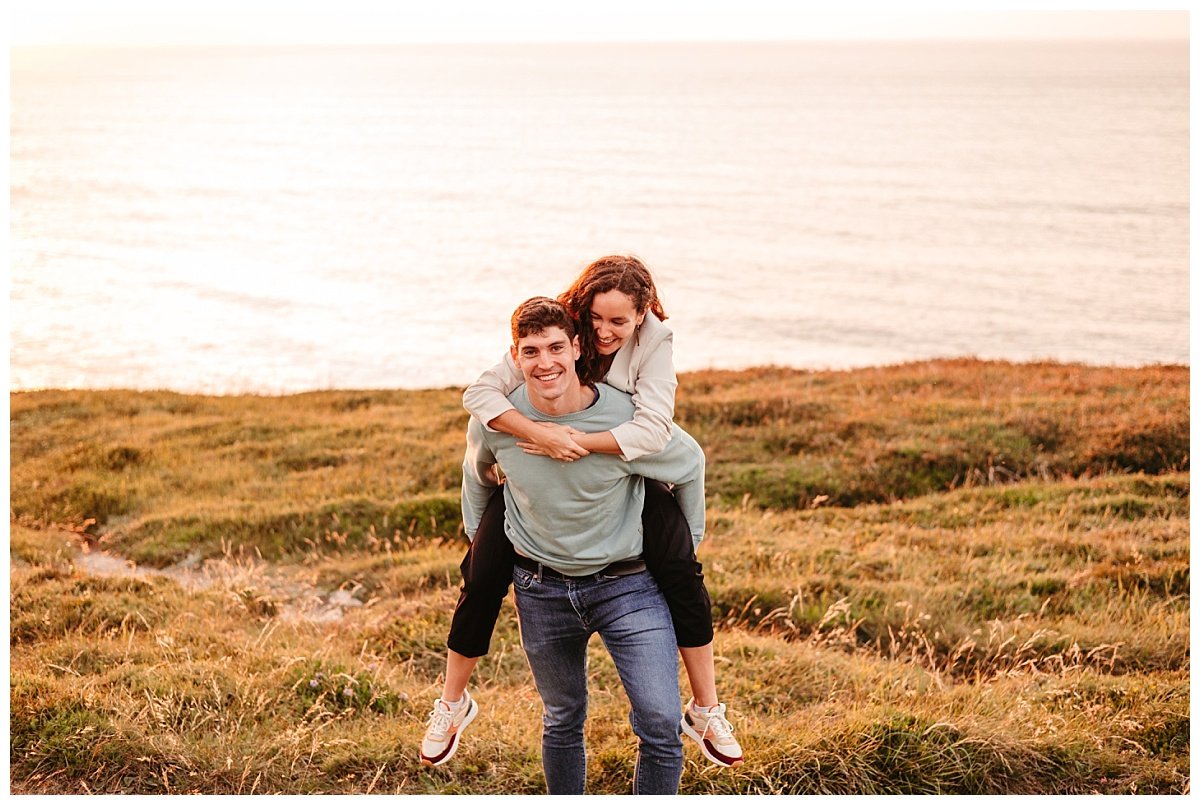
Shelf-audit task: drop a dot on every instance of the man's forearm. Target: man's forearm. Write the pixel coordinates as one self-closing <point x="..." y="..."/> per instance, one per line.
<point x="475" y="497"/>
<point x="479" y="478"/>
<point x="690" y="496"/>
<point x="681" y="463"/>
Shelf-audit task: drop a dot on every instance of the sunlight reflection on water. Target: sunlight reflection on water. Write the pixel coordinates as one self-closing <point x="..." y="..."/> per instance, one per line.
<point x="277" y="220"/>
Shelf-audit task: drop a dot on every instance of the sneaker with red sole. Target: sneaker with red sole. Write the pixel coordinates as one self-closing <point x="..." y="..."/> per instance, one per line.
<point x="446" y="725"/>
<point x="713" y="733"/>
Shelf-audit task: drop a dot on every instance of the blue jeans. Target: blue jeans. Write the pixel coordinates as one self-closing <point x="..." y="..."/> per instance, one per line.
<point x="557" y="617"/>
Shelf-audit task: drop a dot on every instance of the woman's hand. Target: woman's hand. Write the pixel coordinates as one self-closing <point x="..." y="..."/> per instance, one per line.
<point x="553" y="440"/>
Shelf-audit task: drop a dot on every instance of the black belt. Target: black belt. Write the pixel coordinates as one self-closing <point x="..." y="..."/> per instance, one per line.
<point x="626" y="567"/>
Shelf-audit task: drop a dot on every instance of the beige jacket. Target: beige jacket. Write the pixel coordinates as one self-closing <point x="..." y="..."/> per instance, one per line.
<point x="643" y="367"/>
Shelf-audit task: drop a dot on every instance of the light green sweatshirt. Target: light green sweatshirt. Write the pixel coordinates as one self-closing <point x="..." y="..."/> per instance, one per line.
<point x="578" y="516"/>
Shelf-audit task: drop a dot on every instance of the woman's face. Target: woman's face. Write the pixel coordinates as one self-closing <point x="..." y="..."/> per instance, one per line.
<point x="614" y="318"/>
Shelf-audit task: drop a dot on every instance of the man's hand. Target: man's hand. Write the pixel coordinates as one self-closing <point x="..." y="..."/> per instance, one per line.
<point x="553" y="440"/>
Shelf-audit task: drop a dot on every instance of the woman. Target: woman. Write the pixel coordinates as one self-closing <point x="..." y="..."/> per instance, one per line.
<point x="628" y="346"/>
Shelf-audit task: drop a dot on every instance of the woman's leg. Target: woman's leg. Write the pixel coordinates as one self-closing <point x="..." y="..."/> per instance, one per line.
<point x="671" y="559"/>
<point x="701" y="673"/>
<point x="487" y="574"/>
<point x="487" y="571"/>
<point x="458" y="674"/>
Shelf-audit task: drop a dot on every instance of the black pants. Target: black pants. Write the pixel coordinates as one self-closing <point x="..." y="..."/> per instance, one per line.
<point x="667" y="549"/>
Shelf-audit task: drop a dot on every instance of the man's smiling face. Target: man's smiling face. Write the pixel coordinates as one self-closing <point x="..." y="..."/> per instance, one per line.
<point x="547" y="360"/>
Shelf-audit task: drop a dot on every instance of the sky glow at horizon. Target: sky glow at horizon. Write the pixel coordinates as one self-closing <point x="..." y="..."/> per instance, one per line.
<point x="152" y="22"/>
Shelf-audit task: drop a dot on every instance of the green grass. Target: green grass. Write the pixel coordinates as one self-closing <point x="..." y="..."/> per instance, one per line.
<point x="954" y="577"/>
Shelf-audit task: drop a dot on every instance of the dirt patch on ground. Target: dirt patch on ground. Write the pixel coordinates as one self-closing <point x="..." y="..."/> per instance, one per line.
<point x="294" y="598"/>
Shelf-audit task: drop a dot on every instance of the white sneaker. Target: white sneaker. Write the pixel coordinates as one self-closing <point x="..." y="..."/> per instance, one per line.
<point x="713" y="733"/>
<point x="446" y="724"/>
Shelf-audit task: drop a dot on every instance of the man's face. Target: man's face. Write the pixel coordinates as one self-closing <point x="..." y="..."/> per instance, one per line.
<point x="547" y="360"/>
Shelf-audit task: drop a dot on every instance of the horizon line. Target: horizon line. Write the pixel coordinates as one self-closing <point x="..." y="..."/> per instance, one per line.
<point x="949" y="39"/>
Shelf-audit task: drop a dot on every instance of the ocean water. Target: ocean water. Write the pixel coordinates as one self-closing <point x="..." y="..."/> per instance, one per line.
<point x="283" y="219"/>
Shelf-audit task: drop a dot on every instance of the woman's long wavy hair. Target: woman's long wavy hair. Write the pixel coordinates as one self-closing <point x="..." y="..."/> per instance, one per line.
<point x="623" y="273"/>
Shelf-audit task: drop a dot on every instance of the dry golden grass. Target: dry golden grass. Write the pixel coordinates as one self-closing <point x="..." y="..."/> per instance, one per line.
<point x="993" y="634"/>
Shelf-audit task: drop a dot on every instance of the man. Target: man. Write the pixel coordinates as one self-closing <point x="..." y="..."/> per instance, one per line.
<point x="576" y="529"/>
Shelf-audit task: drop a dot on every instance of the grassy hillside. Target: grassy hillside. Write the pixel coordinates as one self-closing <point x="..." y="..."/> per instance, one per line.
<point x="955" y="576"/>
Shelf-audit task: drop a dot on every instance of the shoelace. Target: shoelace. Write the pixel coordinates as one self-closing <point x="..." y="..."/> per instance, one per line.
<point x="717" y="724"/>
<point x="439" y="720"/>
